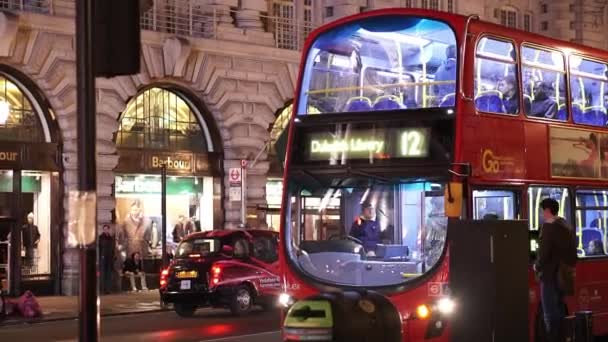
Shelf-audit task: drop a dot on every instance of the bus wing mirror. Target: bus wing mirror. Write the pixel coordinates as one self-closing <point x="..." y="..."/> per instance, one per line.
<point x="453" y="199"/>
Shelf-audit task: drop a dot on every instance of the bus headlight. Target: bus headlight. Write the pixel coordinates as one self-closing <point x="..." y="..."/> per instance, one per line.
<point x="285" y="300"/>
<point x="446" y="306"/>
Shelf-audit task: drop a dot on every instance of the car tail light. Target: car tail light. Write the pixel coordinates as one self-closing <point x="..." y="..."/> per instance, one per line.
<point x="164" y="274"/>
<point x="216" y="275"/>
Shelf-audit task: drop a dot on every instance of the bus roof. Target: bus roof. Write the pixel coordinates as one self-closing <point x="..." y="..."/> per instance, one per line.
<point x="458" y="22"/>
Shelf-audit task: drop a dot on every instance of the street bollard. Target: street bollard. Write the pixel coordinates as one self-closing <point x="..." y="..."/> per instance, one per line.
<point x="583" y="326"/>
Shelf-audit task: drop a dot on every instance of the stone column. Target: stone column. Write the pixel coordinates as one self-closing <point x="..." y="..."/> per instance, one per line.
<point x="248" y="15"/>
<point x="249" y="19"/>
<point x="221" y="9"/>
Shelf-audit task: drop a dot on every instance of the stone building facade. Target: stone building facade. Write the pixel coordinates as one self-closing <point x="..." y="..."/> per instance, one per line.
<point x="238" y="63"/>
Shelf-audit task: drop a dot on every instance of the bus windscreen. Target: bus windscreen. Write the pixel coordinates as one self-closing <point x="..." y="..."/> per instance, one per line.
<point x="380" y="63"/>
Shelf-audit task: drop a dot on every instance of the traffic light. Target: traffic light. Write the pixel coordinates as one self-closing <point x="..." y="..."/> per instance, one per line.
<point x="116" y="37"/>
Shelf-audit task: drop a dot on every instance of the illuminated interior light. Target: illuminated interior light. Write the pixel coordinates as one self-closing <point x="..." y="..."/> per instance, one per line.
<point x="5" y="110"/>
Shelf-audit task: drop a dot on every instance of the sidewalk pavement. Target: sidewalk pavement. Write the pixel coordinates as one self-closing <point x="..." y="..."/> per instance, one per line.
<point x="55" y="308"/>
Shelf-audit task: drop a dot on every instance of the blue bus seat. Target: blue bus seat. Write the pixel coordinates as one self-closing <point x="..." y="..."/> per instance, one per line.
<point x="562" y="113"/>
<point x="595" y="116"/>
<point x="387" y="102"/>
<point x="577" y="113"/>
<point x="358" y="104"/>
<point x="489" y="101"/>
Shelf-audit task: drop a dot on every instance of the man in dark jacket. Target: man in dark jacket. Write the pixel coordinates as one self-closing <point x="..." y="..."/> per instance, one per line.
<point x="543" y="106"/>
<point x="557" y="251"/>
<point x="510" y="95"/>
<point x="107" y="249"/>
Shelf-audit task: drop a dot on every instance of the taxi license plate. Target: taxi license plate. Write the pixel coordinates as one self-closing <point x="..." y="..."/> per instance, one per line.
<point x="185" y="285"/>
<point x="187" y="274"/>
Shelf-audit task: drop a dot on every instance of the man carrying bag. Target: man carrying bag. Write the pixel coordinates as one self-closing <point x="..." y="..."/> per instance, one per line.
<point x="555" y="267"/>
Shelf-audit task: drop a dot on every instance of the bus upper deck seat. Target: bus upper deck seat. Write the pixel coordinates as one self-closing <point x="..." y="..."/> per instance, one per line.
<point x="577" y="113"/>
<point x="595" y="116"/>
<point x="387" y="102"/>
<point x="562" y="113"/>
<point x="489" y="101"/>
<point x="591" y="234"/>
<point x="358" y="104"/>
<point x="448" y="101"/>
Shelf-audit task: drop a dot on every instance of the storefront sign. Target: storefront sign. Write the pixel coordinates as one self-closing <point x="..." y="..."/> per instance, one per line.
<point x="138" y="161"/>
<point x="172" y="163"/>
<point x="380" y="143"/>
<point x="8" y="156"/>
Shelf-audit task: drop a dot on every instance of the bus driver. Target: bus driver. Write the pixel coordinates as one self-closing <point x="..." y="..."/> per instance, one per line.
<point x="366" y="229"/>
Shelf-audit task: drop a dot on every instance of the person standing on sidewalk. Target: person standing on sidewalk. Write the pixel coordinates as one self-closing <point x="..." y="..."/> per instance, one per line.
<point x="555" y="267"/>
<point x="107" y="250"/>
<point x="133" y="267"/>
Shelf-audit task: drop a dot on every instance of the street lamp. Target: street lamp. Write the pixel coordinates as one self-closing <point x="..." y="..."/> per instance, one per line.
<point x="4" y="111"/>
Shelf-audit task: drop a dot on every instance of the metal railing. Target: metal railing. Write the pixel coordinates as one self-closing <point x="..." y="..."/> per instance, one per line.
<point x="189" y="18"/>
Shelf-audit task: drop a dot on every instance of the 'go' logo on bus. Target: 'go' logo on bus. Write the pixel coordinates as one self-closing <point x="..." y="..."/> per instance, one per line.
<point x="489" y="163"/>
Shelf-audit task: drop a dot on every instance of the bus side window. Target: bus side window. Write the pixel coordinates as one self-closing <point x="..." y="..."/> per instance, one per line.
<point x="544" y="82"/>
<point x="591" y="222"/>
<point x="496" y="84"/>
<point x="588" y="87"/>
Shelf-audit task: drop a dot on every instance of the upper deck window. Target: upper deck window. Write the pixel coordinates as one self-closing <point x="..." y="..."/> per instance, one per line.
<point x="588" y="81"/>
<point x="496" y="84"/>
<point x="544" y="82"/>
<point x="380" y="63"/>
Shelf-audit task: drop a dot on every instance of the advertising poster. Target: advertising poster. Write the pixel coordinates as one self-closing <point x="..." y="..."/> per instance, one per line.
<point x="578" y="153"/>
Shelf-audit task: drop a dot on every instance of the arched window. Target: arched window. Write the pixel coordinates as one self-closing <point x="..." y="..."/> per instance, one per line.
<point x="20" y="114"/>
<point x="161" y="119"/>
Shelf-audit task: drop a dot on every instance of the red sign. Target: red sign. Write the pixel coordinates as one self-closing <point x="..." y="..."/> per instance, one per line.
<point x="243" y="163"/>
<point x="235" y="175"/>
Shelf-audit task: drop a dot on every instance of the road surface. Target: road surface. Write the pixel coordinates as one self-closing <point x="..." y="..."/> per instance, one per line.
<point x="207" y="325"/>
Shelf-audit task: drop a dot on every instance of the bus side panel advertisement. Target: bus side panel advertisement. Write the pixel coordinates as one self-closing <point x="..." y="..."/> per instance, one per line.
<point x="577" y="153"/>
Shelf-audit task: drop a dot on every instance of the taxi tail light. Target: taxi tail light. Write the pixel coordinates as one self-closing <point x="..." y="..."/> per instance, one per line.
<point x="164" y="274"/>
<point x="216" y="275"/>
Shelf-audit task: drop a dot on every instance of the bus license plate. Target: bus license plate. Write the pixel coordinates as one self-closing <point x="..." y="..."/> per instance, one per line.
<point x="185" y="285"/>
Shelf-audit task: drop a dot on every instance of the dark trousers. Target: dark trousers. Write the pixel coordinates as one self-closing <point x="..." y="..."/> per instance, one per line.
<point x="106" y="269"/>
<point x="553" y="310"/>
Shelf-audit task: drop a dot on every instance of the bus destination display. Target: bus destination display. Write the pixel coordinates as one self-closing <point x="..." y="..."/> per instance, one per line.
<point x="362" y="144"/>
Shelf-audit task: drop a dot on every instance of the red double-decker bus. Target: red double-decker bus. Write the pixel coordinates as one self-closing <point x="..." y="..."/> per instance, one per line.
<point x="394" y="108"/>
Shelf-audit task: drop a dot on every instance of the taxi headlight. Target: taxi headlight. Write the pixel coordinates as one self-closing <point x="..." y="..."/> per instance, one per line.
<point x="446" y="306"/>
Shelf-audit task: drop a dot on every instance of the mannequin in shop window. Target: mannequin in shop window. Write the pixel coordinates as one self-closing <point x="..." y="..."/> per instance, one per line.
<point x="182" y="229"/>
<point x="30" y="236"/>
<point x="133" y="230"/>
<point x="153" y="237"/>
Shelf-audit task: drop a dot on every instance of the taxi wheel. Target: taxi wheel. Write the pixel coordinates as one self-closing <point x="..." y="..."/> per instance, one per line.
<point x="241" y="301"/>
<point x="184" y="310"/>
